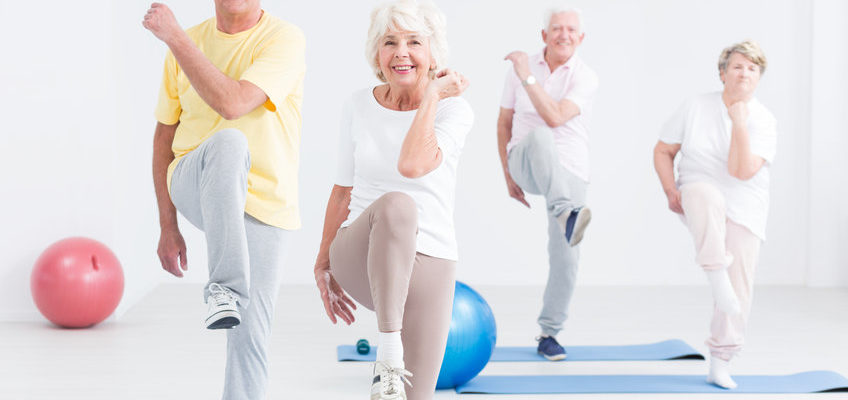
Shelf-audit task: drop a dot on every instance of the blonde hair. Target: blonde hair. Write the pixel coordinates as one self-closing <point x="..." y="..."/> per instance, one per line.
<point x="408" y="15"/>
<point x="748" y="48"/>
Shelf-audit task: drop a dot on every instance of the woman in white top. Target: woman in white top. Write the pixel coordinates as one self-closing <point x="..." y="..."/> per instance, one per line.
<point x="726" y="142"/>
<point x="388" y="232"/>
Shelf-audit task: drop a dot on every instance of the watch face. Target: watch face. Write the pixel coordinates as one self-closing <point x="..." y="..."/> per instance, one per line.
<point x="530" y="80"/>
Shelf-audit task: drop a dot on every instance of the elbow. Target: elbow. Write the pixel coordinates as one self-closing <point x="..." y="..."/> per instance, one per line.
<point x="416" y="168"/>
<point x="554" y="122"/>
<point x="742" y="174"/>
<point x="230" y="112"/>
<point x="232" y="109"/>
<point x="411" y="171"/>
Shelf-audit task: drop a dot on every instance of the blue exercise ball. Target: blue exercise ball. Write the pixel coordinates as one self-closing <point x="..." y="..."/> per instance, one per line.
<point x="471" y="339"/>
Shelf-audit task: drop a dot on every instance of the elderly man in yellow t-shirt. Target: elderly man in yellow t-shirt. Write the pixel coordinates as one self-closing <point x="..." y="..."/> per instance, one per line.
<point x="225" y="155"/>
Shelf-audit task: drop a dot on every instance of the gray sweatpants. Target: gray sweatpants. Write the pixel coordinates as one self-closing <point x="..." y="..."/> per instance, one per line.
<point x="375" y="261"/>
<point x="534" y="165"/>
<point x="209" y="188"/>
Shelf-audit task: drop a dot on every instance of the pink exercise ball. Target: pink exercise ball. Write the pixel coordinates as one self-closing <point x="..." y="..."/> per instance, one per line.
<point x="77" y="282"/>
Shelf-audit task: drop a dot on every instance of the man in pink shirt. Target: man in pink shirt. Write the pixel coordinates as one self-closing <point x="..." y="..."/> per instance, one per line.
<point x="543" y="141"/>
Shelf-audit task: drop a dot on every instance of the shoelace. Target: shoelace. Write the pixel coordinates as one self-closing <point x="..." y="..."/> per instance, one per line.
<point x="220" y="294"/>
<point x="390" y="376"/>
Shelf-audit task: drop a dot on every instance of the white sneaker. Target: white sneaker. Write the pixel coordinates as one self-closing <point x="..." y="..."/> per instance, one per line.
<point x="388" y="382"/>
<point x="223" y="312"/>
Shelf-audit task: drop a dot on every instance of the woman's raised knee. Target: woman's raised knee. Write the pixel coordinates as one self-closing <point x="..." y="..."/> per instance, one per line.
<point x="702" y="194"/>
<point x="398" y="209"/>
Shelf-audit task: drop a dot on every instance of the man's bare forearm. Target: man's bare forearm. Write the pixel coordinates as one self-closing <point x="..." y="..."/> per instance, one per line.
<point x="163" y="138"/>
<point x="504" y="134"/>
<point x="554" y="113"/>
<point x="228" y="97"/>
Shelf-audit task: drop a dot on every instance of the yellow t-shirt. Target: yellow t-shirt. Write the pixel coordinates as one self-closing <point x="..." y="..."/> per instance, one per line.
<point x="271" y="56"/>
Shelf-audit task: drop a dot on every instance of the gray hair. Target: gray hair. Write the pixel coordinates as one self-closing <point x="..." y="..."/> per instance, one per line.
<point x="408" y="15"/>
<point x="549" y="14"/>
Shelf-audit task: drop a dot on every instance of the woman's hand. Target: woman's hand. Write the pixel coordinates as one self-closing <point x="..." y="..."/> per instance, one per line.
<point x="738" y="112"/>
<point x="674" y="203"/>
<point x="447" y="83"/>
<point x="336" y="302"/>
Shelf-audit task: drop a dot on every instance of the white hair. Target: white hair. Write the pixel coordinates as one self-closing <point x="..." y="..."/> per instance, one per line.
<point x="549" y="14"/>
<point x="408" y="15"/>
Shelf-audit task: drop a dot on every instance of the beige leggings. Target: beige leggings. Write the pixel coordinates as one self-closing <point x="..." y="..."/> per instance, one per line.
<point x="720" y="243"/>
<point x="375" y="261"/>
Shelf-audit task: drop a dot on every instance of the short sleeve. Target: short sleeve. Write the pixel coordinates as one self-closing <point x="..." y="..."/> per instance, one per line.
<point x="763" y="136"/>
<point x="279" y="65"/>
<point x="453" y="122"/>
<point x="510" y="85"/>
<point x="168" y="108"/>
<point x="674" y="129"/>
<point x="344" y="158"/>
<point x="583" y="89"/>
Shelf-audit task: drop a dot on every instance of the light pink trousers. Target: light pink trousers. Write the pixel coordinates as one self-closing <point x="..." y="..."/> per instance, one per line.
<point x="375" y="261"/>
<point x="720" y="243"/>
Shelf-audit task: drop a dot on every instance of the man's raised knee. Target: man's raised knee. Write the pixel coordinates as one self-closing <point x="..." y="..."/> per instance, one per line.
<point x="541" y="136"/>
<point x="229" y="146"/>
<point x="230" y="140"/>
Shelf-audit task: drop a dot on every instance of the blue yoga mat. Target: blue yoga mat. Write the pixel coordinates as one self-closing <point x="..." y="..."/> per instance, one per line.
<point x="666" y="350"/>
<point x="805" y="382"/>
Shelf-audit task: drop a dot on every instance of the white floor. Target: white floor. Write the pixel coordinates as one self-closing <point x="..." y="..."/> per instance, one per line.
<point x="159" y="350"/>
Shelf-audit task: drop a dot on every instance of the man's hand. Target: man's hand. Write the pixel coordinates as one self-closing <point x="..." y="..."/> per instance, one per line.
<point x="172" y="252"/>
<point x="515" y="191"/>
<point x="520" y="62"/>
<point x="161" y="22"/>
<point x="674" y="200"/>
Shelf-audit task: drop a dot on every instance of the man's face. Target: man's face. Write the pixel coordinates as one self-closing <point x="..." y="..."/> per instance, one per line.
<point x="236" y="6"/>
<point x="563" y="35"/>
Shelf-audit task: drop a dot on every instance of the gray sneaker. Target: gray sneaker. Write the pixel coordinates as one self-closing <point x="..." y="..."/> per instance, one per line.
<point x="223" y="311"/>
<point x="575" y="225"/>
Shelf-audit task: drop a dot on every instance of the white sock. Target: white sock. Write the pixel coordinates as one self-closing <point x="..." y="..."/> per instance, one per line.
<point x="720" y="373"/>
<point x="723" y="293"/>
<point x="390" y="349"/>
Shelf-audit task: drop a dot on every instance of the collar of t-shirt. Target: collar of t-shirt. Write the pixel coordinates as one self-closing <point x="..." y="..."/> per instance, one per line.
<point x="539" y="61"/>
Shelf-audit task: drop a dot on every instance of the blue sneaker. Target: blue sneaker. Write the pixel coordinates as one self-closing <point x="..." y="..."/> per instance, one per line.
<point x="576" y="224"/>
<point x="550" y="349"/>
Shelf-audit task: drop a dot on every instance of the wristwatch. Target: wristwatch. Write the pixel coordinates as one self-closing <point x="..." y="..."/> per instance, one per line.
<point x="529" y="81"/>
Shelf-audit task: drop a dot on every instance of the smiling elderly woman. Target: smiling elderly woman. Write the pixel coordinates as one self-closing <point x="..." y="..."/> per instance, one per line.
<point x="388" y="237"/>
<point x="726" y="141"/>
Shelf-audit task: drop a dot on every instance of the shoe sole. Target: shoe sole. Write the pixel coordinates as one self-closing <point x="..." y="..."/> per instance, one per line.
<point x="558" y="357"/>
<point x="583" y="219"/>
<point x="223" y="320"/>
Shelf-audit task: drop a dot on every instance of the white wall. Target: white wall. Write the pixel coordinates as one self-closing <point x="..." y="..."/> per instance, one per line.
<point x="78" y="96"/>
<point x="828" y="136"/>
